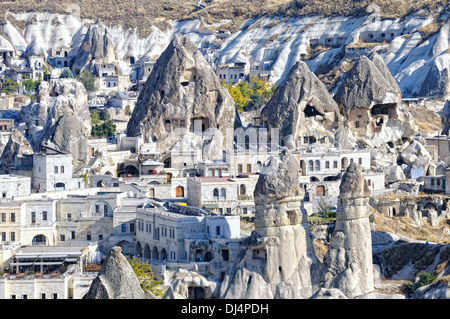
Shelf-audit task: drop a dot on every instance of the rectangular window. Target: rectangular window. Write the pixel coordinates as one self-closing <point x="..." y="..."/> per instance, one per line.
<point x="88" y="237"/>
<point x="335" y="164"/>
<point x="249" y="168"/>
<point x="56" y="169"/>
<point x="218" y="230"/>
<point x="13" y="217"/>
<point x="360" y="161"/>
<point x="73" y="234"/>
<point x="105" y="210"/>
<point x="327" y="164"/>
<point x="63" y="238"/>
<point x="33" y="217"/>
<point x="13" y="236"/>
<point x="124" y="228"/>
<point x="132" y="227"/>
<point x="3" y="218"/>
<point x="3" y="236"/>
<point x="44" y="215"/>
<point x="240" y="168"/>
<point x="62" y="169"/>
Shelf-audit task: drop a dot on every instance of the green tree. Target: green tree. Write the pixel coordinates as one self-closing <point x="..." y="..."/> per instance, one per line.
<point x="104" y="115"/>
<point x="324" y="209"/>
<point x="106" y="129"/>
<point x="9" y="86"/>
<point x="89" y="80"/>
<point x="31" y="85"/>
<point x="146" y="277"/>
<point x="95" y="119"/>
<point x="67" y="74"/>
<point x="128" y="110"/>
<point x="250" y="95"/>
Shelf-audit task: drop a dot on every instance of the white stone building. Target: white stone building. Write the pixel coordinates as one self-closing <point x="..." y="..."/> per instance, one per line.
<point x="53" y="172"/>
<point x="165" y="231"/>
<point x="13" y="185"/>
<point x="224" y="195"/>
<point x="51" y="272"/>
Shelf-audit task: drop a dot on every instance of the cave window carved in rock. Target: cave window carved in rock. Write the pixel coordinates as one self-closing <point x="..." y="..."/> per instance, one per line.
<point x="311" y="111"/>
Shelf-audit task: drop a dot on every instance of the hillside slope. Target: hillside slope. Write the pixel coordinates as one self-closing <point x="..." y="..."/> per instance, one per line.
<point x="143" y="13"/>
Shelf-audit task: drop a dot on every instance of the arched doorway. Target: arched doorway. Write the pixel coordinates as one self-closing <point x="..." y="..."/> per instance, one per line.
<point x="39" y="240"/>
<point x="60" y="186"/>
<point x="155" y="253"/>
<point x="127" y="248"/>
<point x="179" y="191"/>
<point x="131" y="171"/>
<point x="147" y="252"/>
<point x="139" y="249"/>
<point x="163" y="254"/>
<point x="152" y="192"/>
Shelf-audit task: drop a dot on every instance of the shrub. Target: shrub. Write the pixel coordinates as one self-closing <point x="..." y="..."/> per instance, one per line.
<point x="66" y="74"/>
<point x="146" y="277"/>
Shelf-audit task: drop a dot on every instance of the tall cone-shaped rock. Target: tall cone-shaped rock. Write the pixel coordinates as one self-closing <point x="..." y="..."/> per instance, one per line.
<point x="278" y="260"/>
<point x="182" y="96"/>
<point x="371" y="100"/>
<point x="348" y="264"/>
<point x="97" y="47"/>
<point x="302" y="106"/>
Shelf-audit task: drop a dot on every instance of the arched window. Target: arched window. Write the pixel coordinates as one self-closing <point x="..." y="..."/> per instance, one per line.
<point x="60" y="186"/>
<point x="179" y="191"/>
<point x="242" y="189"/>
<point x="317" y="165"/>
<point x="39" y="240"/>
<point x="223" y="194"/>
<point x="310" y="165"/>
<point x="216" y="194"/>
<point x="258" y="166"/>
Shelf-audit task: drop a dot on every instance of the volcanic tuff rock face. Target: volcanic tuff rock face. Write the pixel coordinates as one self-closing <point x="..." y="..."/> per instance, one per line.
<point x="16" y="147"/>
<point x="348" y="263"/>
<point x="277" y="260"/>
<point x="371" y="102"/>
<point x="59" y="116"/>
<point x="96" y="47"/>
<point x="116" y="280"/>
<point x="182" y="95"/>
<point x="302" y="106"/>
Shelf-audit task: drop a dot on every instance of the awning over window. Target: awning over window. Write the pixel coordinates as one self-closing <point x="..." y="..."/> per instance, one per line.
<point x="210" y="206"/>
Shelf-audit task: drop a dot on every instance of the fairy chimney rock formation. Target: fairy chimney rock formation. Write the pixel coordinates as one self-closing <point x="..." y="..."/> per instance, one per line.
<point x="183" y="97"/>
<point x="116" y="279"/>
<point x="348" y="263"/>
<point x="302" y="107"/>
<point x="277" y="195"/>
<point x="278" y="259"/>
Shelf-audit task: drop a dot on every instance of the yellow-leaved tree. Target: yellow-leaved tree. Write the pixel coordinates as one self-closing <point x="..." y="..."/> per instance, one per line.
<point x="146" y="277"/>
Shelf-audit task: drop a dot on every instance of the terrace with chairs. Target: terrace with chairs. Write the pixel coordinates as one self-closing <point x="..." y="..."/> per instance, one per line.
<point x="92" y="268"/>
